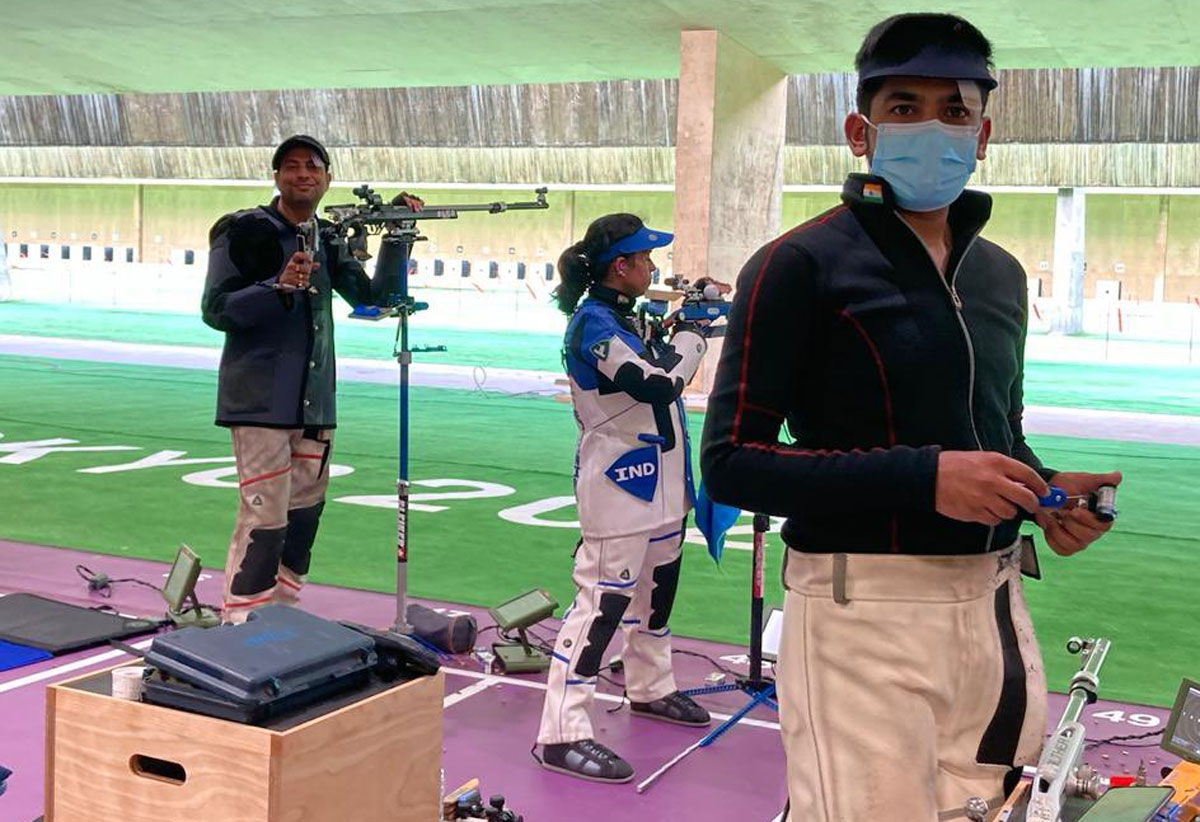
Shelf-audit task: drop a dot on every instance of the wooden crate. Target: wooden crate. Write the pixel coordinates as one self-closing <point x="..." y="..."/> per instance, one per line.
<point x="375" y="759"/>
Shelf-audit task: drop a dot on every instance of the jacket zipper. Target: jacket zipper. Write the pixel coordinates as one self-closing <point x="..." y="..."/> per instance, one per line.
<point x="948" y="284"/>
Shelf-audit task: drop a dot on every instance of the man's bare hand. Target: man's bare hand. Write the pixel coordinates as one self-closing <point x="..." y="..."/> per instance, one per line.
<point x="299" y="270"/>
<point x="985" y="487"/>
<point x="1069" y="531"/>
<point x="410" y="201"/>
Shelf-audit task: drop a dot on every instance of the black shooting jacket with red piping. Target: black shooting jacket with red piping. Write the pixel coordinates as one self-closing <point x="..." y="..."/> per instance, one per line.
<point x="844" y="330"/>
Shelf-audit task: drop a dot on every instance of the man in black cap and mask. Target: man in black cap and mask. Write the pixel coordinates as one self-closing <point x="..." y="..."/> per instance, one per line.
<point x="890" y="338"/>
<point x="269" y="288"/>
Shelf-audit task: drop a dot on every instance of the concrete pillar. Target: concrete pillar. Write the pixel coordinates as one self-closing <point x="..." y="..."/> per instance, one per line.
<point x="139" y="222"/>
<point x="1069" y="237"/>
<point x="728" y="160"/>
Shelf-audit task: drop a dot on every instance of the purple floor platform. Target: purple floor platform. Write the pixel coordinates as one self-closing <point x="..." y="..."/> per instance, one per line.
<point x="490" y="721"/>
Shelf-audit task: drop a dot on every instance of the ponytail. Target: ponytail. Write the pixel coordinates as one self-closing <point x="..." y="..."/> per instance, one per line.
<point x="576" y="270"/>
<point x="575" y="273"/>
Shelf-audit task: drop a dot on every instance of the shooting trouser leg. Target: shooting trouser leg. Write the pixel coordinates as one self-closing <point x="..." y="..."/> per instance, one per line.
<point x="647" y="654"/>
<point x="310" y="478"/>
<point x="608" y="575"/>
<point x="907" y="684"/>
<point x="280" y="474"/>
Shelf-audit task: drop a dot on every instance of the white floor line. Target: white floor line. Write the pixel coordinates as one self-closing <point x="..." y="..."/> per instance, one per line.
<point x="66" y="668"/>
<point x="353" y="369"/>
<point x="466" y="693"/>
<point x="492" y="679"/>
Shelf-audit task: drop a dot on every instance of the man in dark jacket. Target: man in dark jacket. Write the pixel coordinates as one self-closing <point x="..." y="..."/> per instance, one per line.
<point x="889" y="337"/>
<point x="271" y="293"/>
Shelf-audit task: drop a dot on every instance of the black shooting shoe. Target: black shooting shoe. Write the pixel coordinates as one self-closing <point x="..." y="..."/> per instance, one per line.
<point x="586" y="759"/>
<point x="674" y="707"/>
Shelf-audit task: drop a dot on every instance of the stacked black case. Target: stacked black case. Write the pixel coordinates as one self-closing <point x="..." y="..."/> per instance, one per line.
<point x="281" y="660"/>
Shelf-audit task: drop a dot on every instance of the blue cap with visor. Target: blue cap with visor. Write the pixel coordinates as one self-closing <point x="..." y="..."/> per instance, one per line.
<point x="643" y="239"/>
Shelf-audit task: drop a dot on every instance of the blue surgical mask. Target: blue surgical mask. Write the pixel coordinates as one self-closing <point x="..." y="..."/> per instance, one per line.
<point x="926" y="164"/>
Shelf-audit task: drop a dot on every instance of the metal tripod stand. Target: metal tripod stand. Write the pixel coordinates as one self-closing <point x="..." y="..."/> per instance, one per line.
<point x="352" y="223"/>
<point x="404" y="307"/>
<point x="760" y="689"/>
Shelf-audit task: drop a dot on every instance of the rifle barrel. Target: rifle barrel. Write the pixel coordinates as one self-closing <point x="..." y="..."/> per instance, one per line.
<point x="491" y="208"/>
<point x="375" y="214"/>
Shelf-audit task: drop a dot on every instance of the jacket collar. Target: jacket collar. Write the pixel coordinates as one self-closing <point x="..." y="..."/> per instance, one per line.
<point x="272" y="208"/>
<point x="623" y="303"/>
<point x="870" y="199"/>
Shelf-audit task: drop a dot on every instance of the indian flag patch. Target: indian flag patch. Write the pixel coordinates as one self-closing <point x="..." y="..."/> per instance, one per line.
<point x="873" y="192"/>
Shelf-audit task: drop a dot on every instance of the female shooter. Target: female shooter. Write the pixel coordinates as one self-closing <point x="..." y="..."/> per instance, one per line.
<point x="633" y="488"/>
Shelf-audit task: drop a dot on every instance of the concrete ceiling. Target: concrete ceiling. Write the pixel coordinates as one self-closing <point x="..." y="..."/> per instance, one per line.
<point x="82" y="46"/>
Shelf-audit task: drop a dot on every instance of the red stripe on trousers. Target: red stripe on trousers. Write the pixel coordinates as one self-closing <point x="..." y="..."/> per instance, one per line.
<point x="253" y="480"/>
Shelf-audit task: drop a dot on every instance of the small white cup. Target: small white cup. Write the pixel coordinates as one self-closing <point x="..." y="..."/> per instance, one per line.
<point x="127" y="682"/>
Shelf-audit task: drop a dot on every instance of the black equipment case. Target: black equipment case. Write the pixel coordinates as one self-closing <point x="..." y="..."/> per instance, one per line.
<point x="282" y="659"/>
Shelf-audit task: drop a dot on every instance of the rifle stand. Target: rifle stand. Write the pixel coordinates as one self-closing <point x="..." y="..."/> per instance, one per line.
<point x="760" y="689"/>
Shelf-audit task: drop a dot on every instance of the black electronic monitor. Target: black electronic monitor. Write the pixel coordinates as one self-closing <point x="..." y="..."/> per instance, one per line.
<point x="1182" y="735"/>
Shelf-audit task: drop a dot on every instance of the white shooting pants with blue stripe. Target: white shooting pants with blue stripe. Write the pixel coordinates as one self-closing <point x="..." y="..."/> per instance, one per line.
<point x="628" y="584"/>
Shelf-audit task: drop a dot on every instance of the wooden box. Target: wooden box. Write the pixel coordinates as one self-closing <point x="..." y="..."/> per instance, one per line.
<point x="371" y="757"/>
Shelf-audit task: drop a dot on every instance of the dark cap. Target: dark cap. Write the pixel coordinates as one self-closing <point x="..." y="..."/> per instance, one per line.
<point x="299" y="141"/>
<point x="933" y="62"/>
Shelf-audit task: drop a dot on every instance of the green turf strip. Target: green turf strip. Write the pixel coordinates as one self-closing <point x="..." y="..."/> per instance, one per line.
<point x="1146" y="389"/>
<point x="1137" y="587"/>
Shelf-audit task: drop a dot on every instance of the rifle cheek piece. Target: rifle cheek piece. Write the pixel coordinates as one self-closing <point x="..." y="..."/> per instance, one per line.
<point x="356" y="241"/>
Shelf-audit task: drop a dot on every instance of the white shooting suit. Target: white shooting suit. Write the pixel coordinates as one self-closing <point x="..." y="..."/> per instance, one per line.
<point x="633" y="487"/>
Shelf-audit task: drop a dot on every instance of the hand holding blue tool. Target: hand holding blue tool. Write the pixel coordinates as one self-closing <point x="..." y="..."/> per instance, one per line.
<point x="1102" y="502"/>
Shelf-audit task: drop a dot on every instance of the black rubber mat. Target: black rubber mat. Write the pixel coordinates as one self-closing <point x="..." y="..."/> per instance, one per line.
<point x="37" y="622"/>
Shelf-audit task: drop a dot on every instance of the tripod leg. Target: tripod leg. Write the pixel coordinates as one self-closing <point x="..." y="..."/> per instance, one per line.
<point x="650" y="780"/>
<point x="758" y="695"/>
<point x="711" y="689"/>
<point x="767" y="697"/>
<point x="715" y="734"/>
<point x="758" y="698"/>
